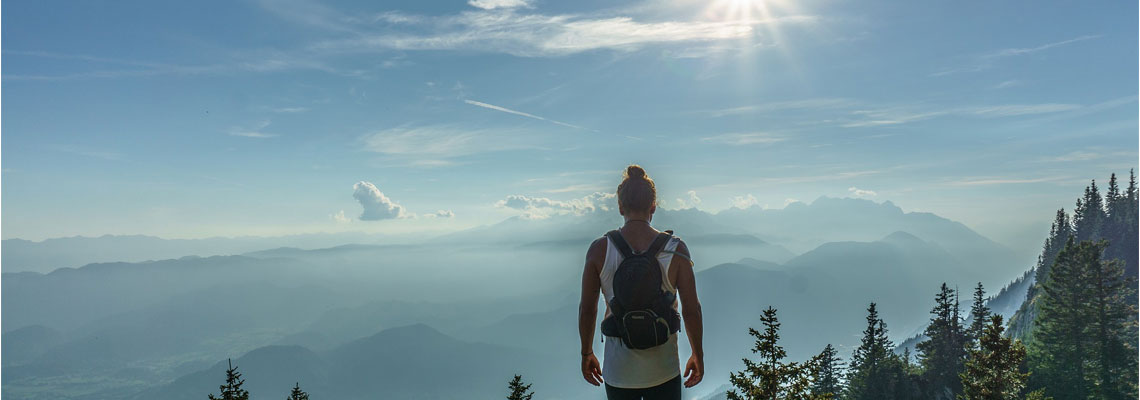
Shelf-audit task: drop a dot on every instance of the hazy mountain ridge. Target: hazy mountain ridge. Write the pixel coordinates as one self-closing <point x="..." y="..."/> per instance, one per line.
<point x="50" y="254"/>
<point x="401" y="362"/>
<point x="364" y="288"/>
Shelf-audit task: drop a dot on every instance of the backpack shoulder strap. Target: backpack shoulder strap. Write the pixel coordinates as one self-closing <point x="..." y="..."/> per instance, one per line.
<point x="619" y="241"/>
<point x="659" y="243"/>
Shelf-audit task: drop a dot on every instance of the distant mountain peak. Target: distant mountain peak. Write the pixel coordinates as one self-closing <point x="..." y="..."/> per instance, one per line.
<point x="902" y="237"/>
<point x="826" y="201"/>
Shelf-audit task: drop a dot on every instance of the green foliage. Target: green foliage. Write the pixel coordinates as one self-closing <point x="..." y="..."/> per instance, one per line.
<point x="231" y="390"/>
<point x="519" y="390"/>
<point x="1079" y="347"/>
<point x="827" y="373"/>
<point x="943" y="353"/>
<point x="297" y="393"/>
<point x="992" y="369"/>
<point x="979" y="314"/>
<point x="770" y="378"/>
<point x="875" y="373"/>
<point x="1089" y="216"/>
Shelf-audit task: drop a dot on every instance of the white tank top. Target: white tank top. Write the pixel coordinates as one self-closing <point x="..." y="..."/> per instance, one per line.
<point x="632" y="368"/>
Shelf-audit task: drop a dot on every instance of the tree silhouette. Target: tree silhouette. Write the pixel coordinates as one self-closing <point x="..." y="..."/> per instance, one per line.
<point x="992" y="369"/>
<point x="771" y="378"/>
<point x="232" y="389"/>
<point x="944" y="352"/>
<point x="828" y="371"/>
<point x="519" y="390"/>
<point x="979" y="314"/>
<point x="297" y="393"/>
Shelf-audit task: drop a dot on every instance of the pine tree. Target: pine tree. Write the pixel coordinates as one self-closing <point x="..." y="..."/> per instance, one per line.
<point x="519" y="390"/>
<point x="297" y="393"/>
<point x="992" y="368"/>
<point x="869" y="375"/>
<point x="1022" y="322"/>
<point x="770" y="378"/>
<point x="232" y="389"/>
<point x="943" y="353"/>
<point x="979" y="315"/>
<point x="828" y="370"/>
<point x="1058" y="345"/>
<point x="1113" y="363"/>
<point x="1081" y="346"/>
<point x="1088" y="218"/>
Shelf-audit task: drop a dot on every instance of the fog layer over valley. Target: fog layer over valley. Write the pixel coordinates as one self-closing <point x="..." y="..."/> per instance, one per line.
<point x="370" y="315"/>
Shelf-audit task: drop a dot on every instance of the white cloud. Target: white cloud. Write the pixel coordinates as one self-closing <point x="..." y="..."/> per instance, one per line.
<point x="739" y="139"/>
<point x="340" y="218"/>
<point x="1008" y="84"/>
<point x="440" y="214"/>
<point x="510" y="111"/>
<point x="1030" y="50"/>
<point x="804" y="104"/>
<point x="743" y="202"/>
<point x="432" y="144"/>
<point x="543" y="207"/>
<point x="1077" y="156"/>
<point x="584" y="187"/>
<point x="857" y="192"/>
<point x="537" y="35"/>
<point x="999" y="181"/>
<point x="986" y="61"/>
<point x="1012" y="110"/>
<point x="790" y="200"/>
<point x="889" y="116"/>
<point x="493" y="4"/>
<point x="252" y="132"/>
<point x="376" y="205"/>
<point x="290" y="110"/>
<point x="692" y="202"/>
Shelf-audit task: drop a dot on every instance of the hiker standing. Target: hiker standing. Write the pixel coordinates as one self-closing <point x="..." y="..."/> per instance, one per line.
<point x="641" y="272"/>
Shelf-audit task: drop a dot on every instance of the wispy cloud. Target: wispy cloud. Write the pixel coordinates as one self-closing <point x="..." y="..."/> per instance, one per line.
<point x="290" y="110"/>
<point x="999" y="181"/>
<point x="584" y="187"/>
<point x="252" y="132"/>
<point x="434" y="146"/>
<point x="740" y="139"/>
<point x="493" y="4"/>
<point x="538" y="35"/>
<point x="804" y="104"/>
<point x="248" y="62"/>
<point x="1021" y="109"/>
<point x="519" y="113"/>
<point x="908" y="114"/>
<point x="987" y="61"/>
<point x="1008" y="84"/>
<point x="1030" y="50"/>
<point x="889" y="116"/>
<point x="90" y="152"/>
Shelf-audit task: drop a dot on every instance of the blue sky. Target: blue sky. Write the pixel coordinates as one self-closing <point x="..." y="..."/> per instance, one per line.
<point x="212" y="118"/>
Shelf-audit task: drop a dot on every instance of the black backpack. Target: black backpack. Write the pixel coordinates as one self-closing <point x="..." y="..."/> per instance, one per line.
<point x="641" y="313"/>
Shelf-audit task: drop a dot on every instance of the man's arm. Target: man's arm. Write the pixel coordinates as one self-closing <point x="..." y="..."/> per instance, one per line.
<point x="588" y="310"/>
<point x="691" y="314"/>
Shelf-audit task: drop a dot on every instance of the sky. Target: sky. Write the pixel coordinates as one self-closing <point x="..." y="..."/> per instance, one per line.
<point x="230" y="118"/>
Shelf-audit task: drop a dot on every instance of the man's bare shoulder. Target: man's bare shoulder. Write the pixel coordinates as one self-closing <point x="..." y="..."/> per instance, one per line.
<point x="597" y="250"/>
<point x="682" y="250"/>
